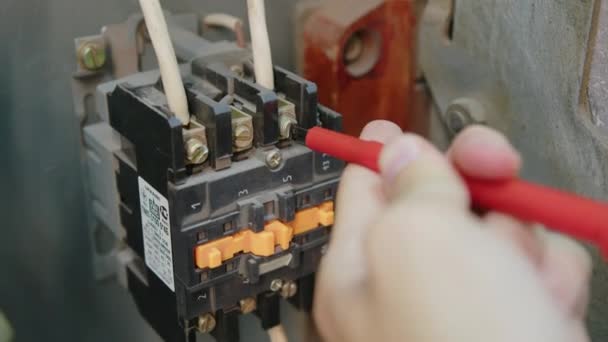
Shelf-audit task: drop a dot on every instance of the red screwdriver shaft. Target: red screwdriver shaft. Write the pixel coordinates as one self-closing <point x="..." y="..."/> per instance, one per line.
<point x="581" y="218"/>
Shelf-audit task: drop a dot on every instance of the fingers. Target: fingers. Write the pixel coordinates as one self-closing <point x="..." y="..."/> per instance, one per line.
<point x="360" y="200"/>
<point x="521" y="236"/>
<point x="427" y="224"/>
<point x="360" y="193"/>
<point x="414" y="171"/>
<point x="484" y="153"/>
<point x="563" y="265"/>
<point x="447" y="275"/>
<point x="566" y="271"/>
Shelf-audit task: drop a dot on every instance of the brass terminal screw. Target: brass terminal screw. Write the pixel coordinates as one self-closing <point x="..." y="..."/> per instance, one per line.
<point x="243" y="137"/>
<point x="274" y="159"/>
<point x="289" y="289"/>
<point x="248" y="305"/>
<point x="196" y="151"/>
<point x="206" y="323"/>
<point x="92" y="56"/>
<point x="276" y="285"/>
<point x="285" y="125"/>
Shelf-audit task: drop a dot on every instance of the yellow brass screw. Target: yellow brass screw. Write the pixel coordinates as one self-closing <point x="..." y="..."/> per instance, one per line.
<point x="206" y="323"/>
<point x="196" y="151"/>
<point x="248" y="305"/>
<point x="92" y="56"/>
<point x="289" y="289"/>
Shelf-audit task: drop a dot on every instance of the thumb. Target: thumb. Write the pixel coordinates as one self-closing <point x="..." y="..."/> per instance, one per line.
<point x="415" y="171"/>
<point x="435" y="274"/>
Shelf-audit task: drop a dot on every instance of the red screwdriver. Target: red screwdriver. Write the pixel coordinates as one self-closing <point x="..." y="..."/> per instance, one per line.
<point x="569" y="214"/>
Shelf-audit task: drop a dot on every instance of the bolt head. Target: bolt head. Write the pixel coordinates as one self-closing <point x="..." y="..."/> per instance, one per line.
<point x="464" y="112"/>
<point x="274" y="159"/>
<point x="458" y="120"/>
<point x="93" y="56"/>
<point x="243" y="137"/>
<point x="248" y="305"/>
<point x="206" y="323"/>
<point x="276" y="285"/>
<point x="196" y="151"/>
<point x="289" y="289"/>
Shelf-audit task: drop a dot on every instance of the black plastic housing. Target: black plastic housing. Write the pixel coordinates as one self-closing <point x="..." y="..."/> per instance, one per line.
<point x="213" y="202"/>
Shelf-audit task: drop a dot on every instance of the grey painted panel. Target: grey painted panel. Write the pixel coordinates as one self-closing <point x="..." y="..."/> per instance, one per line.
<point x="533" y="56"/>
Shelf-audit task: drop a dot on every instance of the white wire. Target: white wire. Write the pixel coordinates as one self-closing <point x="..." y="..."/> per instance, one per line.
<point x="260" y="42"/>
<point x="221" y="19"/>
<point x="277" y="334"/>
<point x="227" y="21"/>
<point x="167" y="62"/>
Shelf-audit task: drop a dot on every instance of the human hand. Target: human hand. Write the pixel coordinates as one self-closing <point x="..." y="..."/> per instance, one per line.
<point x="408" y="261"/>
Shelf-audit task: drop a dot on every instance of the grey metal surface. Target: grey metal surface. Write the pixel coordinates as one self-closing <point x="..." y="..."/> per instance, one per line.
<point x="101" y="185"/>
<point x="530" y="63"/>
<point x="47" y="289"/>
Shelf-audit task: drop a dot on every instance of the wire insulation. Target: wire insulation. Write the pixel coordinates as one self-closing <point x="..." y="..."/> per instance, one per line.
<point x="167" y="61"/>
<point x="229" y="22"/>
<point x="260" y="42"/>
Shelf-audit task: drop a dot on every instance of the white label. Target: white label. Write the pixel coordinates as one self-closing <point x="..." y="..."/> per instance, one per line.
<point x="157" y="232"/>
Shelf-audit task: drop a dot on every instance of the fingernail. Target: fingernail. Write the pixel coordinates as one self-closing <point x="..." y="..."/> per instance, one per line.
<point x="486" y="138"/>
<point x="398" y="155"/>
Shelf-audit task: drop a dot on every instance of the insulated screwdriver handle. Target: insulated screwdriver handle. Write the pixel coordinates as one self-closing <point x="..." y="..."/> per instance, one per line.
<point x="345" y="147"/>
<point x="578" y="217"/>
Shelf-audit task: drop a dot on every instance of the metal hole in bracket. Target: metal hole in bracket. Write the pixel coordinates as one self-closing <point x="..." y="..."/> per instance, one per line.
<point x="362" y="52"/>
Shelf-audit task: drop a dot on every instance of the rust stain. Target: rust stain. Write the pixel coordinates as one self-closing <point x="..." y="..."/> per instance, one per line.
<point x="384" y="92"/>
